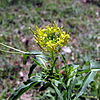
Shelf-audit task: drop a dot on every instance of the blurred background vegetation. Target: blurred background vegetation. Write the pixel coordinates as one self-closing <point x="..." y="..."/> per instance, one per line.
<point x="81" y="18"/>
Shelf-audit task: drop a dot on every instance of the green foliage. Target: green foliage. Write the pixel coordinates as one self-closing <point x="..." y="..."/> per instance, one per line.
<point x="71" y="84"/>
<point x="82" y="20"/>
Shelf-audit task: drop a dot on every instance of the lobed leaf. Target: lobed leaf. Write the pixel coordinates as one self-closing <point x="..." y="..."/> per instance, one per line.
<point x="89" y="78"/>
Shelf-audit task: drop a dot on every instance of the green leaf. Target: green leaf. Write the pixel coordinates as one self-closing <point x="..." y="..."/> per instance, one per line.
<point x="40" y="60"/>
<point x="58" y="92"/>
<point x="89" y="78"/>
<point x="33" y="53"/>
<point x="45" y="86"/>
<point x="37" y="62"/>
<point x="56" y="82"/>
<point x="63" y="57"/>
<point x="71" y="86"/>
<point x="65" y="93"/>
<point x="33" y="82"/>
<point x="22" y="89"/>
<point x="94" y="65"/>
<point x="95" y="69"/>
<point x="31" y="69"/>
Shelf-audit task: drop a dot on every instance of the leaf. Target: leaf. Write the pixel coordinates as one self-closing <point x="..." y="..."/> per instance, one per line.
<point x="63" y="57"/>
<point x="87" y="81"/>
<point x="40" y="60"/>
<point x="33" y="53"/>
<point x="56" y="82"/>
<point x="22" y="89"/>
<point x="65" y="93"/>
<point x="58" y="92"/>
<point x="38" y="63"/>
<point x="71" y="86"/>
<point x="33" y="82"/>
<point x="31" y="69"/>
<point x="25" y="57"/>
<point x="96" y="69"/>
<point x="42" y="56"/>
<point x="48" y="93"/>
<point x="45" y="86"/>
<point x="94" y="65"/>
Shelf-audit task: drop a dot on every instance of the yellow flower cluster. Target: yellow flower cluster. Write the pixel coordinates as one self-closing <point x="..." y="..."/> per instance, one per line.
<point x="51" y="37"/>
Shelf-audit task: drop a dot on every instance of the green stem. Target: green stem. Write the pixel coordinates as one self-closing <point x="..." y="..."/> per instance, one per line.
<point x="17" y="50"/>
<point x="63" y="58"/>
<point x="52" y="55"/>
<point x="10" y="52"/>
<point x="53" y="61"/>
<point x="13" y="48"/>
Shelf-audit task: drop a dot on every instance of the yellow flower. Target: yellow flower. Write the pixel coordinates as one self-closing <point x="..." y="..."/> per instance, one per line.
<point x="51" y="37"/>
